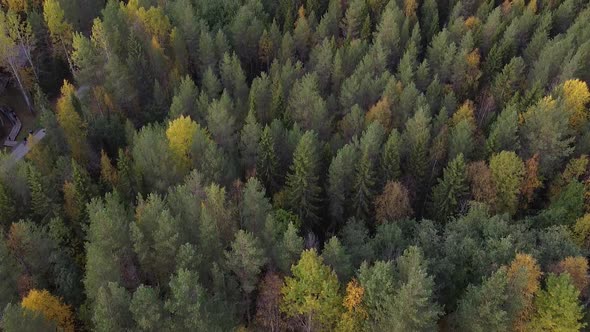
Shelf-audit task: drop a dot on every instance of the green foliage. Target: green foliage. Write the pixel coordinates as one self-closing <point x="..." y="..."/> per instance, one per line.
<point x="303" y="190"/>
<point x="15" y="318"/>
<point x="557" y="307"/>
<point x="206" y="142"/>
<point x="449" y="194"/>
<point x="312" y="293"/>
<point x="507" y="173"/>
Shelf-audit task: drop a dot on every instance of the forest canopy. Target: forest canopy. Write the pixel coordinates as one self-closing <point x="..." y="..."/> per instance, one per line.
<point x="298" y="165"/>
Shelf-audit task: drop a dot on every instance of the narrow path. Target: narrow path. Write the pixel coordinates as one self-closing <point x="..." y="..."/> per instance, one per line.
<point x="16" y="125"/>
<point x="21" y="150"/>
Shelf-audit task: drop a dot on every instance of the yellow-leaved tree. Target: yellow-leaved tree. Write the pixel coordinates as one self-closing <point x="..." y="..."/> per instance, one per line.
<point x="51" y="307"/>
<point x="523" y="277"/>
<point x="354" y="316"/>
<point x="72" y="123"/>
<point x="180" y="134"/>
<point x="577" y="96"/>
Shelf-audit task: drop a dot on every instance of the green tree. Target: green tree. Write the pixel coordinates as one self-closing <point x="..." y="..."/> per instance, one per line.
<point x="184" y="102"/>
<point x="246" y="259"/>
<point x="364" y="187"/>
<point x="154" y="161"/>
<point x="41" y="202"/>
<point x="186" y="304"/>
<point x="414" y="308"/>
<point x="546" y="131"/>
<point x="9" y="274"/>
<point x="307" y="107"/>
<point x="261" y="98"/>
<point x="354" y="18"/>
<point x="504" y="132"/>
<point x="507" y="173"/>
<point x="461" y="140"/>
<point x="249" y="141"/>
<point x="416" y="140"/>
<point x="335" y="256"/>
<point x="147" y="309"/>
<point x="111" y="309"/>
<point x="267" y="160"/>
<point x="451" y="190"/>
<point x="16" y="318"/>
<point x="311" y="295"/>
<point x="303" y="190"/>
<point x="7" y="205"/>
<point x="400" y="298"/>
<point x="107" y="242"/>
<point x="14" y="38"/>
<point x="59" y="28"/>
<point x="557" y="308"/>
<point x="254" y="207"/>
<point x="390" y="161"/>
<point x="340" y="188"/>
<point x="484" y="307"/>
<point x="222" y="123"/>
<point x="156" y="237"/>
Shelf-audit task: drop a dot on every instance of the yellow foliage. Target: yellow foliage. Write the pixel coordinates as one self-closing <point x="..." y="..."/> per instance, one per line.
<point x="355" y="313"/>
<point x="527" y="265"/>
<point x="472" y="22"/>
<point x="576" y="97"/>
<point x="577" y="268"/>
<point x="354" y="296"/>
<point x="108" y="173"/>
<point x="465" y="112"/>
<point x="51" y="307"/>
<point x="381" y="113"/>
<point x="532" y="6"/>
<point x="72" y="123"/>
<point x="180" y="134"/>
<point x="410" y="7"/>
<point x="301" y="12"/>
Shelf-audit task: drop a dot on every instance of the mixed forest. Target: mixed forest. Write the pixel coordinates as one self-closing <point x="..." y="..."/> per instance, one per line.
<point x="298" y="165"/>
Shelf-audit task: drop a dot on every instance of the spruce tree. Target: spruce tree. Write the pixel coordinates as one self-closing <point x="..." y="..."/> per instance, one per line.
<point x="450" y="191"/>
<point x="267" y="160"/>
<point x="303" y="189"/>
